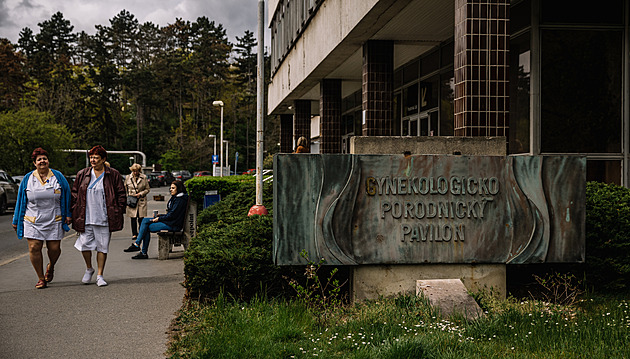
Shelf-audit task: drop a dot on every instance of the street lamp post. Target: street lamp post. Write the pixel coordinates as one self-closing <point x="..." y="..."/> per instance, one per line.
<point x="214" y="151"/>
<point x="259" y="208"/>
<point x="220" y="104"/>
<point x="227" y="153"/>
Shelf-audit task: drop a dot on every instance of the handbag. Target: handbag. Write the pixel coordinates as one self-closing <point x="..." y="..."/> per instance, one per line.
<point x="132" y="201"/>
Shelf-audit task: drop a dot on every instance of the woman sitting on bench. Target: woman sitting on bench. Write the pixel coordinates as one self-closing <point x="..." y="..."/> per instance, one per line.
<point x="173" y="220"/>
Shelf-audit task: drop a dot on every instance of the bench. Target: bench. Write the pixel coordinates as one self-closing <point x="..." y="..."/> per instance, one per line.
<point x="168" y="239"/>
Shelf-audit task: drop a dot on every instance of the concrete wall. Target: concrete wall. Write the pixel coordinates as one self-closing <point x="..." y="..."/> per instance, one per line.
<point x="332" y="23"/>
<point x="431" y="145"/>
<point x="370" y="282"/>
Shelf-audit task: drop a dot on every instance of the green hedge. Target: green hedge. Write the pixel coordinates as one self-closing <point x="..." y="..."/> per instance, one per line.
<point x="236" y="205"/>
<point x="197" y="186"/>
<point x="607" y="236"/>
<point x="231" y="251"/>
<point x="233" y="258"/>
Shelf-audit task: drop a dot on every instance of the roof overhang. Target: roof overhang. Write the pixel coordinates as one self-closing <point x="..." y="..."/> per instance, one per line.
<point x="415" y="26"/>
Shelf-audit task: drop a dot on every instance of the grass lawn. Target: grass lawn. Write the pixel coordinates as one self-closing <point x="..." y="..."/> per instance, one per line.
<point x="403" y="327"/>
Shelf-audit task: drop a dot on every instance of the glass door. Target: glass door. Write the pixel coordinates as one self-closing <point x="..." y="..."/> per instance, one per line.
<point x="424" y="125"/>
<point x="428" y="123"/>
<point x="410" y="126"/>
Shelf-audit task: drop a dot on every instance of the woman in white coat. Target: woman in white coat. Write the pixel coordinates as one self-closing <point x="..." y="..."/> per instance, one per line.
<point x="137" y="185"/>
<point x="42" y="214"/>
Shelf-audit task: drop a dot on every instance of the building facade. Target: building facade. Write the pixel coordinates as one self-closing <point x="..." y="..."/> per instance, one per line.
<point x="551" y="78"/>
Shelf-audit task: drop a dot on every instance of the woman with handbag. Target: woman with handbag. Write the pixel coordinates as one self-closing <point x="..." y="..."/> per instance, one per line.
<point x="137" y="186"/>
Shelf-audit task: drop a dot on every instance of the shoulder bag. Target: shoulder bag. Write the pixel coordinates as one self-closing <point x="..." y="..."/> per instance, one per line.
<point x="132" y="201"/>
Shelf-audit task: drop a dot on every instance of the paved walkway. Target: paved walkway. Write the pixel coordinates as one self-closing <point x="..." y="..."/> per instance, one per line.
<point x="129" y="318"/>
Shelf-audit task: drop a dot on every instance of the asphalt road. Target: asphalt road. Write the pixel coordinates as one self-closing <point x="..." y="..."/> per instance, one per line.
<point x="129" y="318"/>
<point x="10" y="247"/>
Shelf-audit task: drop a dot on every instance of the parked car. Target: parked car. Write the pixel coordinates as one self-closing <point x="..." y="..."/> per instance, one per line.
<point x="164" y="178"/>
<point x="70" y="179"/>
<point x="153" y="180"/>
<point x="182" y="175"/>
<point x="8" y="192"/>
<point x="202" y="173"/>
<point x="168" y="178"/>
<point x="18" y="179"/>
<point x="159" y="178"/>
<point x="251" y="171"/>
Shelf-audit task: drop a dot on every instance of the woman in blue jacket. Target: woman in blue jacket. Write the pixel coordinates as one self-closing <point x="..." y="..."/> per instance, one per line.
<point x="43" y="213"/>
<point x="173" y="220"/>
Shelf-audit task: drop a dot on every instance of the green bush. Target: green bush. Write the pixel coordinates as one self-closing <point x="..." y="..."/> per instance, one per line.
<point x="197" y="186"/>
<point x="607" y="236"/>
<point x="236" y="205"/>
<point x="235" y="259"/>
<point x="232" y="253"/>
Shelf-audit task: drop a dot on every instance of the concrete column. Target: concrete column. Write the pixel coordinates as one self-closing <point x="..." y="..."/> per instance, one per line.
<point x="286" y="133"/>
<point x="302" y="120"/>
<point x="378" y="88"/>
<point x="330" y="116"/>
<point x="481" y="67"/>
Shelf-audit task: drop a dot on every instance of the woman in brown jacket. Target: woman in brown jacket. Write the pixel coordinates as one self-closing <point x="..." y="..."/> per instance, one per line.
<point x="98" y="204"/>
<point x="137" y="184"/>
<point x="302" y="145"/>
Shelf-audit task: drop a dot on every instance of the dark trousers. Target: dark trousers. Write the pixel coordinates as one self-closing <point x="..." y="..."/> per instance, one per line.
<point x="134" y="225"/>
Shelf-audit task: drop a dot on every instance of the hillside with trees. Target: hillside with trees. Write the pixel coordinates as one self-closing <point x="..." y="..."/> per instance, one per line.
<point x="130" y="86"/>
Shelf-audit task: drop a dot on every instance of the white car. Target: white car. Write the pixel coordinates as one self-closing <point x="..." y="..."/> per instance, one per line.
<point x="8" y="192"/>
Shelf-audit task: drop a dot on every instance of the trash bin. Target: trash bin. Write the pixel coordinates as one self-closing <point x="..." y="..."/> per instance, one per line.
<point x="210" y="198"/>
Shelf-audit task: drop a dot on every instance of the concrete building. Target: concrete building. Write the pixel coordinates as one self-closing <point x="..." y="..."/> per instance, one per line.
<point x="550" y="76"/>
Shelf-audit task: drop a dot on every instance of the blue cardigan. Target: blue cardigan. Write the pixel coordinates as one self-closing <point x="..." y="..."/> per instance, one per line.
<point x="20" y="206"/>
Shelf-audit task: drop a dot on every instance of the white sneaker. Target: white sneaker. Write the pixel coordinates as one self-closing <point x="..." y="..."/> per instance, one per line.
<point x="87" y="277"/>
<point x="100" y="281"/>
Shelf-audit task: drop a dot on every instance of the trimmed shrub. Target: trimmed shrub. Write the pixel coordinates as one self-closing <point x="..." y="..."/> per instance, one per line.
<point x="232" y="253"/>
<point x="235" y="259"/>
<point x="236" y="205"/>
<point x="197" y="186"/>
<point x="608" y="236"/>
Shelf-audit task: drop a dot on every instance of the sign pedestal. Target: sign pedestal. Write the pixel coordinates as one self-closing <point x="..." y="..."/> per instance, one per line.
<point x="372" y="281"/>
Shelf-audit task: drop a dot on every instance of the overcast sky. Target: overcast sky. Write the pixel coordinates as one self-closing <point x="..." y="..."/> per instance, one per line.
<point x="236" y="16"/>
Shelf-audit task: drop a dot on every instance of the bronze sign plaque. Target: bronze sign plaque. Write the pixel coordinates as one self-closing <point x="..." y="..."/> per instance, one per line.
<point x="394" y="209"/>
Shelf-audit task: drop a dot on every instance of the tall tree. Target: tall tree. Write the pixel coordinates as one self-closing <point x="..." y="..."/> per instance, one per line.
<point x="54" y="43"/>
<point x="123" y="38"/>
<point x="12" y="76"/>
<point x="54" y="86"/>
<point x="26" y="129"/>
<point x="245" y="77"/>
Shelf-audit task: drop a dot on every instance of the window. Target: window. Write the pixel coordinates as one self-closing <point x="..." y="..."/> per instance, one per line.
<point x="520" y="54"/>
<point x="607" y="171"/>
<point x="410" y="100"/>
<point x="602" y="12"/>
<point x="581" y="91"/>
<point x="520" y="16"/>
<point x="429" y="93"/>
<point x="447" y="95"/>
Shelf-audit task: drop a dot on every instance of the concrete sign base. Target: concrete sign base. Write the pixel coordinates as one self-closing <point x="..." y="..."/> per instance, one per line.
<point x="450" y="296"/>
<point x="372" y="281"/>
